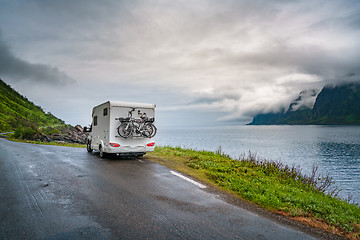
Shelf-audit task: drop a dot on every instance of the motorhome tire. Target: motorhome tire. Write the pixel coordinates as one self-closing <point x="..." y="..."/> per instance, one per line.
<point x="88" y="147"/>
<point x="102" y="153"/>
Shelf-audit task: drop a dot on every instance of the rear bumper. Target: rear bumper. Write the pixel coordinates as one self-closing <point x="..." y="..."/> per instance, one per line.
<point x="131" y="154"/>
<point x="128" y="149"/>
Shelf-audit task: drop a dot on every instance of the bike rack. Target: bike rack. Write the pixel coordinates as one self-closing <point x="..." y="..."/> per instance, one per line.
<point x="134" y="133"/>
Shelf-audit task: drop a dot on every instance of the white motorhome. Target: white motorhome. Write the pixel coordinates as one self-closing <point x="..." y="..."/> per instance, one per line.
<point x="122" y="128"/>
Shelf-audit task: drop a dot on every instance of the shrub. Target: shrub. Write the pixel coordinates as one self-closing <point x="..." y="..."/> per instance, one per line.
<point x="27" y="133"/>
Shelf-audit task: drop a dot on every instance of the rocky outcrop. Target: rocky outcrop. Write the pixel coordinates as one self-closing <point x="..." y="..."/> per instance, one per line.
<point x="69" y="135"/>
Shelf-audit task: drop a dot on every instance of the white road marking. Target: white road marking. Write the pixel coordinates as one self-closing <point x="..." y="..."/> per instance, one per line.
<point x="141" y="160"/>
<point x="188" y="179"/>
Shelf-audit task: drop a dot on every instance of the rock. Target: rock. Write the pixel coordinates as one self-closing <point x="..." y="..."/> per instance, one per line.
<point x="78" y="128"/>
<point x="69" y="135"/>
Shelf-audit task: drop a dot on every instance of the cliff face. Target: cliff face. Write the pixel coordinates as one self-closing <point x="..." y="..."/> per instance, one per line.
<point x="333" y="105"/>
<point x="338" y="105"/>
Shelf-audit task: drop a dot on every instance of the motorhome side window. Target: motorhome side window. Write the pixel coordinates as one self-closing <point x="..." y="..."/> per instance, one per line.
<point x="95" y="120"/>
<point x="105" y="112"/>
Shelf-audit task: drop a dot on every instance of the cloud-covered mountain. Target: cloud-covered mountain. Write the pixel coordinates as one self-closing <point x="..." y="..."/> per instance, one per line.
<point x="333" y="105"/>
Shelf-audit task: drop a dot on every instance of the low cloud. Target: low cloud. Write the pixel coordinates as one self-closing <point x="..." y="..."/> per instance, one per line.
<point x="306" y="99"/>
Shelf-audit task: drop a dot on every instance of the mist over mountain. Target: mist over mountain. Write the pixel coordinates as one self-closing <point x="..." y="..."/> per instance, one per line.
<point x="333" y="105"/>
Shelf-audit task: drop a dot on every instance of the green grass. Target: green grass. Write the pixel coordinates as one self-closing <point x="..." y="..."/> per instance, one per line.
<point x="271" y="185"/>
<point x="16" y="111"/>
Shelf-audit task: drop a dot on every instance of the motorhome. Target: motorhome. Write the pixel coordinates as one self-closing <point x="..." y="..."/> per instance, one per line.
<point x="122" y="128"/>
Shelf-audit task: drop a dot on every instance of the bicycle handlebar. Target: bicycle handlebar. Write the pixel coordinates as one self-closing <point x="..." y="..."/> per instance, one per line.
<point x="143" y="117"/>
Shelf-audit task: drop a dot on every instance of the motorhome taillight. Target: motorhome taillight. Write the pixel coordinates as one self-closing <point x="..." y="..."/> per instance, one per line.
<point x="150" y="144"/>
<point x="114" y="144"/>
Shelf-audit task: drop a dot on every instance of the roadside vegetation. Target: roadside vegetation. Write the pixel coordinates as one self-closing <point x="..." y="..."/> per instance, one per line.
<point x="271" y="185"/>
<point x="55" y="143"/>
<point x="64" y="135"/>
<point x="32" y="132"/>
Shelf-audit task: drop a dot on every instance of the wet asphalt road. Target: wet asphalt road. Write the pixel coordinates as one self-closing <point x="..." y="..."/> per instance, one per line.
<point x="50" y="192"/>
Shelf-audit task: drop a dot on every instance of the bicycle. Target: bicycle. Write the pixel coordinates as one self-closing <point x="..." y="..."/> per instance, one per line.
<point x="129" y="126"/>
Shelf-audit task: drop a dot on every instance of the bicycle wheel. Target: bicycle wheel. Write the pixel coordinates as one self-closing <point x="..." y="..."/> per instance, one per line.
<point x="125" y="129"/>
<point x="154" y="130"/>
<point x="147" y="130"/>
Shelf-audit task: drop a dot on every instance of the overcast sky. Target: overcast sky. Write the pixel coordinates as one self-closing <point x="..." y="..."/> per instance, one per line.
<point x="201" y="62"/>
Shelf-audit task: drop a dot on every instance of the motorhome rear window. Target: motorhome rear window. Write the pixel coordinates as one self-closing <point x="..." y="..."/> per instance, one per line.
<point x="105" y="112"/>
<point x="95" y="120"/>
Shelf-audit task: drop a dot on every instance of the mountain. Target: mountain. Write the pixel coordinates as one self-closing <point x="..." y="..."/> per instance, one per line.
<point x="333" y="105"/>
<point x="338" y="105"/>
<point x="16" y="111"/>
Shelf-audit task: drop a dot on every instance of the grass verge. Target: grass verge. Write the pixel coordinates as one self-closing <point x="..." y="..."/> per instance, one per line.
<point x="272" y="186"/>
<point x="55" y="143"/>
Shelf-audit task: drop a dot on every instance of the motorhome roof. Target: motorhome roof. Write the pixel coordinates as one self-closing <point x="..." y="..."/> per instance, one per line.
<point x="129" y="104"/>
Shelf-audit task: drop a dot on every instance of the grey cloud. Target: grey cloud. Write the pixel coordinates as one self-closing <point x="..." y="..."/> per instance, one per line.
<point x="236" y="56"/>
<point x="310" y="59"/>
<point x="219" y="96"/>
<point x="354" y="20"/>
<point x="348" y="20"/>
<point x="17" y="69"/>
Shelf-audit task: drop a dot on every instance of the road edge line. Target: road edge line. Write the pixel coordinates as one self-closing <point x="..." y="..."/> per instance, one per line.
<point x="188" y="179"/>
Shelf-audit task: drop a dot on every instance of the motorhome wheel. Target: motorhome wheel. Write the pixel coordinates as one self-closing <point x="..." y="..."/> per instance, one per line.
<point x="88" y="147"/>
<point x="102" y="153"/>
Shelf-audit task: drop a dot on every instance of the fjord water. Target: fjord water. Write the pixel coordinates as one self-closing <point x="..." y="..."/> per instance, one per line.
<point x="334" y="149"/>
